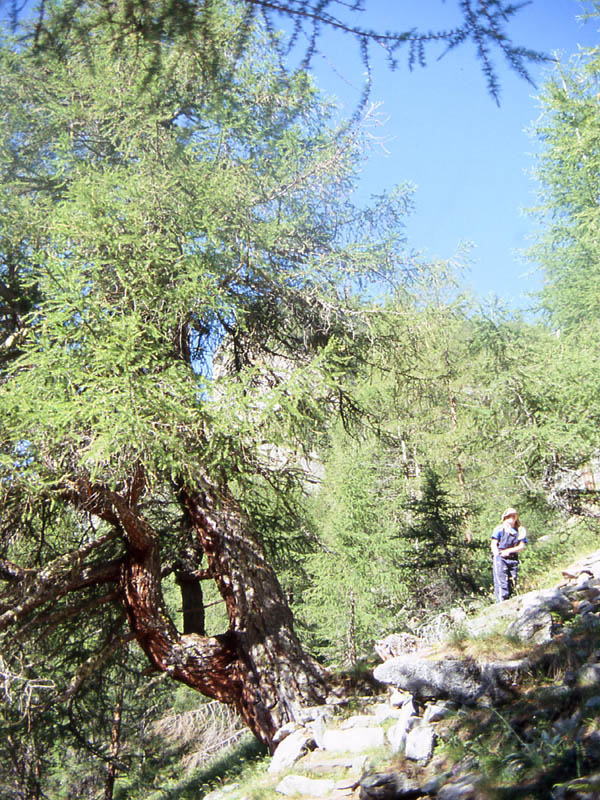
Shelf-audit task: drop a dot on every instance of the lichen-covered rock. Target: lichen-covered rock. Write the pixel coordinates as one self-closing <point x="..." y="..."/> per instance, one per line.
<point x="534" y="624"/>
<point x="420" y="742"/>
<point x="534" y="621"/>
<point x="461" y="680"/>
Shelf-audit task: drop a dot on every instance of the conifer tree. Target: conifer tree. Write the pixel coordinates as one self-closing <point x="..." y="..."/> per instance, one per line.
<point x="178" y="268"/>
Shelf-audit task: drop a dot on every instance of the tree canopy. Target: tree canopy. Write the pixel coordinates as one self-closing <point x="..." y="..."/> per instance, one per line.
<point x="485" y="25"/>
<point x="181" y="267"/>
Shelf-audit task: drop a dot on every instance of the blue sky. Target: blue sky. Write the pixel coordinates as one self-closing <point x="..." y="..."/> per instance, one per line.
<point x="469" y="159"/>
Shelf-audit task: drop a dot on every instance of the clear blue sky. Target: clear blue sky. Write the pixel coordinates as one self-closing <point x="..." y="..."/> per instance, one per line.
<point x="469" y="159"/>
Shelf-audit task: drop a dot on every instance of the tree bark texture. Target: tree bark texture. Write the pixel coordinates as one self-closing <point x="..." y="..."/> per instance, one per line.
<point x="276" y="676"/>
<point x="258" y="664"/>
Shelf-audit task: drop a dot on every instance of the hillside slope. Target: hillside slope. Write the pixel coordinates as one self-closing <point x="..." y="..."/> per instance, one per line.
<point x="506" y="707"/>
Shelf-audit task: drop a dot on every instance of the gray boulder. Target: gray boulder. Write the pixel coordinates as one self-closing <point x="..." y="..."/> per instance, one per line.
<point x="420" y="742"/>
<point x="289" y="750"/>
<point x="534" y="624"/>
<point x="534" y="621"/>
<point x="461" y="680"/>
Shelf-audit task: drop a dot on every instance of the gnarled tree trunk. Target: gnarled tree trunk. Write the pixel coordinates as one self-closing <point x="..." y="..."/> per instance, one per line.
<point x="257" y="665"/>
<point x="277" y="676"/>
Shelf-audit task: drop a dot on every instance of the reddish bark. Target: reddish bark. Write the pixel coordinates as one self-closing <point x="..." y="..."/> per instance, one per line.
<point x="257" y="665"/>
<point x="277" y="676"/>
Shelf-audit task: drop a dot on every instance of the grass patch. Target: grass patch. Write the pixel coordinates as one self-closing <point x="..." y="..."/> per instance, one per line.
<point x="240" y="763"/>
<point x="492" y="646"/>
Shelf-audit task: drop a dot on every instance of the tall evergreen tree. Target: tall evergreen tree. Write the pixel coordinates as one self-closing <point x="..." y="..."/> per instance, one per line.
<point x="568" y="252"/>
<point x="568" y="170"/>
<point x="179" y="265"/>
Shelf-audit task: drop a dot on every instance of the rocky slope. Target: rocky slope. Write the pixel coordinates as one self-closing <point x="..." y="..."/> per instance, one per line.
<point x="507" y="707"/>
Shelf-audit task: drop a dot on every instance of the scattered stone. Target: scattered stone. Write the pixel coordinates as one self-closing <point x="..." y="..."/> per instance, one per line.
<point x="222" y="792"/>
<point x="318" y="763"/>
<point x="298" y="784"/>
<point x="396" y="644"/>
<point x="420" y="742"/>
<point x="408" y="708"/>
<point x="592" y="594"/>
<point x="359" y="721"/>
<point x="584" y="607"/>
<point x="284" y="731"/>
<point x="588" y="676"/>
<point x="317" y="728"/>
<point x="388" y="786"/>
<point x="464" y="788"/>
<point x="355" y="740"/>
<point x="436" y="712"/>
<point x="397" y="734"/>
<point x="433" y="785"/>
<point x="289" y="750"/>
<point x="398" y="698"/>
<point x="311" y="713"/>
<point x="360" y="765"/>
<point x="383" y="711"/>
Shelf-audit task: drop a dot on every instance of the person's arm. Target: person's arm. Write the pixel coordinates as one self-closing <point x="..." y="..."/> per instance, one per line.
<point x="494" y="547"/>
<point x="510" y="551"/>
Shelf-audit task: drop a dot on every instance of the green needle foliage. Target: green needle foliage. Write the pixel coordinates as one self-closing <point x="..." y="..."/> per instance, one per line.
<point x="159" y="221"/>
<point x="181" y="273"/>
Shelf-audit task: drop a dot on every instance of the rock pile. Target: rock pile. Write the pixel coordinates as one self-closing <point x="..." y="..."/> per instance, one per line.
<point x="426" y="690"/>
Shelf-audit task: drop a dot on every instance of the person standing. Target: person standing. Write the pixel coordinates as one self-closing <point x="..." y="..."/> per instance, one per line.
<point x="508" y="540"/>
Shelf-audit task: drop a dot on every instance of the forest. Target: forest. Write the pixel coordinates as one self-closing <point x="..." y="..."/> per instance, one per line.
<point x="246" y="431"/>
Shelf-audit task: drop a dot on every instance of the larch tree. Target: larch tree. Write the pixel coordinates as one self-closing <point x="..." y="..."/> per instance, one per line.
<point x="483" y="24"/>
<point x="179" y="270"/>
<point x="568" y="249"/>
<point x="567" y="252"/>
